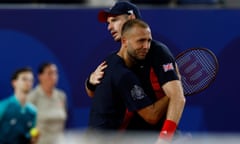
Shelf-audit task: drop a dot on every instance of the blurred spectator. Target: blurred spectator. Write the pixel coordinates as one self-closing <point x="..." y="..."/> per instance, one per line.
<point x="200" y="1"/>
<point x="232" y="3"/>
<point x="59" y="1"/>
<point x="17" y="117"/>
<point x="43" y="1"/>
<point x="106" y="3"/>
<point x="177" y="1"/>
<point x="16" y="1"/>
<point x="51" y="104"/>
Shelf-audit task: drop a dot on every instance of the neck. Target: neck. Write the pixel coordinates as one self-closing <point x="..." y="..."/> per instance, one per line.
<point x="47" y="90"/>
<point x="21" y="96"/>
<point x="129" y="61"/>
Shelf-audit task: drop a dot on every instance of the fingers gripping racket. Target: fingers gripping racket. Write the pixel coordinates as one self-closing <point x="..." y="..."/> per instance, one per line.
<point x="198" y="68"/>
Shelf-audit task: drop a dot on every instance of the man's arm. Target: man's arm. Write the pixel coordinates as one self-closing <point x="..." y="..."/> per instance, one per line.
<point x="174" y="91"/>
<point x="3" y="107"/>
<point x="153" y="113"/>
<point x="173" y="103"/>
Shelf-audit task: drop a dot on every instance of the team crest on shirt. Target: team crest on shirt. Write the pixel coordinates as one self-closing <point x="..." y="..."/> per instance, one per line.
<point x="137" y="93"/>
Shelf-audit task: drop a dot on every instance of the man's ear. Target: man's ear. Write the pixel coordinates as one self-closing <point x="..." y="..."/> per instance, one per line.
<point x="123" y="40"/>
<point x="13" y="83"/>
<point x="131" y="16"/>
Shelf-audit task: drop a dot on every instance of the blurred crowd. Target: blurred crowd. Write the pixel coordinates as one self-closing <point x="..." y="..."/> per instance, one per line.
<point x="109" y="2"/>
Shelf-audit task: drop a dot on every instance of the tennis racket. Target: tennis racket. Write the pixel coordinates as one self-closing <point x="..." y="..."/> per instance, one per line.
<point x="198" y="68"/>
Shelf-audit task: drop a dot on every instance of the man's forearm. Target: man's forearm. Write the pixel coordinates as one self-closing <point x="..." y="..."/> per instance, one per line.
<point x="176" y="102"/>
<point x="153" y="113"/>
<point x="89" y="88"/>
<point x="174" y="91"/>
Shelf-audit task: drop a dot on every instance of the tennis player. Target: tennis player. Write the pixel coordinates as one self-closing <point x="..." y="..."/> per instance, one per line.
<point x="157" y="73"/>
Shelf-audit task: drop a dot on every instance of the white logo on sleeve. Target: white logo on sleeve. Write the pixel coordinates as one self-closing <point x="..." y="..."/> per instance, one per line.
<point x="168" y="67"/>
<point x="137" y="93"/>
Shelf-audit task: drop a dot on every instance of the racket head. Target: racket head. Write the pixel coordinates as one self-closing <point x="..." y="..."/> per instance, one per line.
<point x="198" y="68"/>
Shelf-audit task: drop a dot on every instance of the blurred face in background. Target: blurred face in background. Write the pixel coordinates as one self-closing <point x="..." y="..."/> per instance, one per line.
<point x="115" y="24"/>
<point x="49" y="76"/>
<point x="23" y="82"/>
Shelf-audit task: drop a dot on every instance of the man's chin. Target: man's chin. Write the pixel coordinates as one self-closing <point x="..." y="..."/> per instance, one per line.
<point x="117" y="39"/>
<point x="26" y="91"/>
<point x="143" y="56"/>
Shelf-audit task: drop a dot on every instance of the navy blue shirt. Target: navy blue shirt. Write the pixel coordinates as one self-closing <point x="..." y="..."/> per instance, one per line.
<point x="120" y="89"/>
<point x="157" y="69"/>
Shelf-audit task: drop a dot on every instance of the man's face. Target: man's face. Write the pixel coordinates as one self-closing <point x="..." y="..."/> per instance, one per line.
<point x="138" y="42"/>
<point x="49" y="77"/>
<point x="24" y="82"/>
<point x="115" y="24"/>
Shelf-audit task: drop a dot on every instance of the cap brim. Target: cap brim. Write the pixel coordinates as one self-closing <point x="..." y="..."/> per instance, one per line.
<point x="102" y="16"/>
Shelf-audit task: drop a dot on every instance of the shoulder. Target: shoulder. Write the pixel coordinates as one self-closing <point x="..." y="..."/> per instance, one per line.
<point x="112" y="58"/>
<point x="4" y="103"/>
<point x="31" y="108"/>
<point x="35" y="91"/>
<point x="8" y="100"/>
<point x="34" y="94"/>
<point x="116" y="64"/>
<point x="159" y="49"/>
<point x="158" y="46"/>
<point x="60" y="94"/>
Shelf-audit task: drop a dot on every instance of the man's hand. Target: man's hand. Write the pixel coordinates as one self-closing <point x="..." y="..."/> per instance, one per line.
<point x="95" y="78"/>
<point x="97" y="75"/>
<point x="34" y="133"/>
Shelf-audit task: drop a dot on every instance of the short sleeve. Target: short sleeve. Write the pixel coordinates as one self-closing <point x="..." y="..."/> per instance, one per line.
<point x="132" y="92"/>
<point x="3" y="106"/>
<point x="163" y="63"/>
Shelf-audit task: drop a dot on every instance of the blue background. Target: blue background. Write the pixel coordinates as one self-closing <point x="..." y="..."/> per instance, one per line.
<point x="77" y="42"/>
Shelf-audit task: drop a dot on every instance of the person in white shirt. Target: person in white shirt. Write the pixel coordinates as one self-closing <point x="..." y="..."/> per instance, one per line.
<point x="51" y="104"/>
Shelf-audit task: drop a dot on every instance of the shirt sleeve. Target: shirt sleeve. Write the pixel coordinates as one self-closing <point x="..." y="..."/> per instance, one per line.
<point x="163" y="63"/>
<point x="132" y="92"/>
<point x="3" y="106"/>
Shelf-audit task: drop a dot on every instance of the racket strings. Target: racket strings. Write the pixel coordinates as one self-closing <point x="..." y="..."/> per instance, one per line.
<point x="198" y="69"/>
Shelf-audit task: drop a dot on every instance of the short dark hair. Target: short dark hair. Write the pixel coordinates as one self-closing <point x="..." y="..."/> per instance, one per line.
<point x="43" y="66"/>
<point x="19" y="71"/>
<point x="131" y="23"/>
